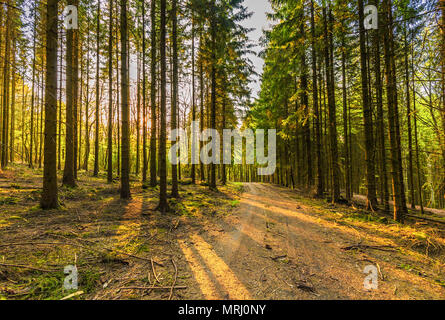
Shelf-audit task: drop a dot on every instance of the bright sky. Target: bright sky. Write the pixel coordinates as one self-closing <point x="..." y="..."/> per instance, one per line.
<point x="259" y="22"/>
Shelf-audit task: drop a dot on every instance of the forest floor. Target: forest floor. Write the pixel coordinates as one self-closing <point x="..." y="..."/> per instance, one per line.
<point x="251" y="241"/>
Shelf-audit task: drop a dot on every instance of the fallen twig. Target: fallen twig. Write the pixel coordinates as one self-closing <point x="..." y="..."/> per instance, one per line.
<point x="75" y="294"/>
<point x="426" y="219"/>
<point x="154" y="288"/>
<point x="154" y="271"/>
<point x="25" y="267"/>
<point x="363" y="246"/>
<point x="278" y="257"/>
<point x="174" y="281"/>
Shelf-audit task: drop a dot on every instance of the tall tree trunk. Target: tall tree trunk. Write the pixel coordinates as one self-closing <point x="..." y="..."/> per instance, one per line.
<point x="380" y="116"/>
<point x="320" y="184"/>
<point x="213" y="31"/>
<point x="75" y="96"/>
<point x="125" y="154"/>
<point x="419" y="178"/>
<point x="144" y="101"/>
<point x="335" y="175"/>
<point x="153" y="176"/>
<point x="59" y="136"/>
<point x="31" y="165"/>
<point x="193" y="172"/>
<point x="97" y="121"/>
<point x="412" y="200"/>
<point x="345" y="123"/>
<point x="13" y="79"/>
<point x="49" y="195"/>
<point x="6" y="69"/>
<point x="138" y="114"/>
<point x="87" y="108"/>
<point x="367" y="116"/>
<point x="163" y="204"/>
<point x="68" y="172"/>
<point x="110" y="96"/>
<point x="305" y="105"/>
<point x="397" y="183"/>
<point x="201" y="101"/>
<point x="175" y="192"/>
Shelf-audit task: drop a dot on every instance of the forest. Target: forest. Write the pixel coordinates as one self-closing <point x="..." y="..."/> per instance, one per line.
<point x="351" y="98"/>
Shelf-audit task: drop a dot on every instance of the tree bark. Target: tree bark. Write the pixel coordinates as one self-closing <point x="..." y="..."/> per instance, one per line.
<point x="163" y="204"/>
<point x="49" y="195"/>
<point x="367" y="116"/>
<point x="68" y="172"/>
<point x="110" y="96"/>
<point x="97" y="121"/>
<point x="153" y="157"/>
<point x="125" y="153"/>
<point x="175" y="191"/>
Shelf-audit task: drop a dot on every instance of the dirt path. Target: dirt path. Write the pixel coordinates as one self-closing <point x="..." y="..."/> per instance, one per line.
<point x="273" y="247"/>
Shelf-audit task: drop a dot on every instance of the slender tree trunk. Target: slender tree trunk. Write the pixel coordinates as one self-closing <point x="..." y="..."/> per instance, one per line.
<point x="367" y="116"/>
<point x="153" y="176"/>
<point x="345" y="123"/>
<point x="163" y="204"/>
<point x="125" y="171"/>
<point x="110" y="96"/>
<point x="398" y="186"/>
<point x="13" y="87"/>
<point x="6" y="69"/>
<point x="68" y="172"/>
<point x="320" y="178"/>
<point x="213" y="31"/>
<point x="144" y="101"/>
<point x="419" y="178"/>
<point x="380" y="117"/>
<point x="31" y="165"/>
<point x="49" y="195"/>
<point x="87" y="108"/>
<point x="97" y="121"/>
<point x="75" y="96"/>
<point x="331" y="107"/>
<point x="412" y="200"/>
<point x="138" y="114"/>
<point x="59" y="136"/>
<point x="193" y="172"/>
<point x="307" y="122"/>
<point x="175" y="192"/>
<point x="201" y="101"/>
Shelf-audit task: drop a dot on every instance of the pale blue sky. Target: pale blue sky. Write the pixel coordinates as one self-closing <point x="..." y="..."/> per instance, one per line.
<point x="259" y="22"/>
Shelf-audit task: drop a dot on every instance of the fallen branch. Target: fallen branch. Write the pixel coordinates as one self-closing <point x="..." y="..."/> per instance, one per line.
<point x="426" y="219"/>
<point x="154" y="271"/>
<point x="364" y="246"/>
<point x="75" y="294"/>
<point x="174" y="281"/>
<point x="154" y="288"/>
<point x="25" y="267"/>
<point x="278" y="257"/>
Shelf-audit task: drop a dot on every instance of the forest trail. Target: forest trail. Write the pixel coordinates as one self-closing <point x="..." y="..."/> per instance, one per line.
<point x="274" y="247"/>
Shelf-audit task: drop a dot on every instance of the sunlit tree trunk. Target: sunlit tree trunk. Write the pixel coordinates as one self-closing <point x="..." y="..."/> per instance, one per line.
<point x="153" y="157"/>
<point x="49" y="194"/>
<point x="110" y="96"/>
<point x="97" y="121"/>
<point x="163" y="205"/>
<point x="175" y="191"/>
<point x="68" y="172"/>
<point x="367" y="116"/>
